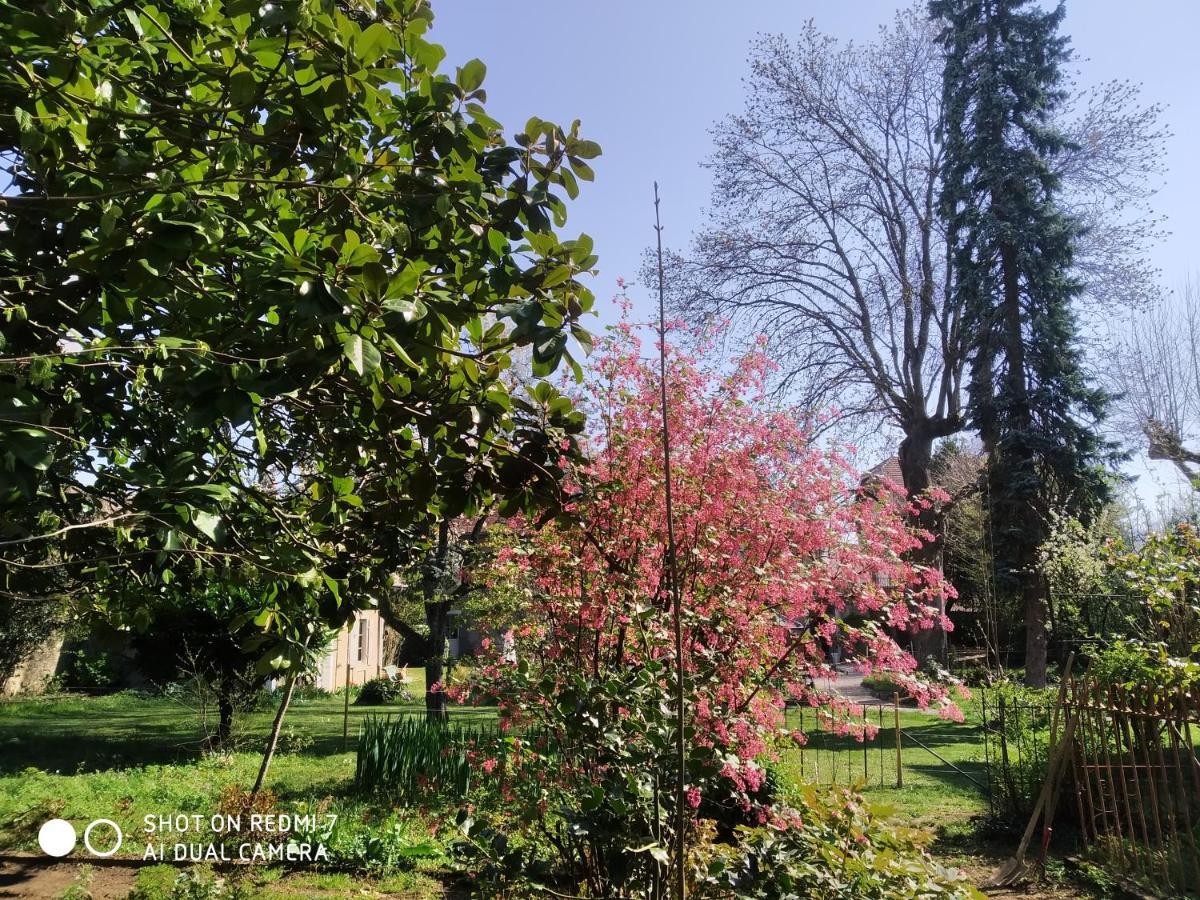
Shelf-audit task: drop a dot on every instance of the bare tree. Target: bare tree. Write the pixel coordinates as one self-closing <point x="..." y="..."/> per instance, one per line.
<point x="823" y="234"/>
<point x="1155" y="373"/>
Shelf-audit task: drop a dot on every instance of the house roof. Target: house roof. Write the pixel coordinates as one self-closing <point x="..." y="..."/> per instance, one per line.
<point x="889" y="469"/>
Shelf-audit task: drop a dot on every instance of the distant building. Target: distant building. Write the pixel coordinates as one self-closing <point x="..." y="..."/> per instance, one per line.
<point x="356" y="654"/>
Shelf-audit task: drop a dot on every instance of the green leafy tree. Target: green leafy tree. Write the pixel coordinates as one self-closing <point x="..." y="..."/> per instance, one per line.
<point x="262" y="270"/>
<point x="1163" y="577"/>
<point x="204" y="635"/>
<point x="1012" y="252"/>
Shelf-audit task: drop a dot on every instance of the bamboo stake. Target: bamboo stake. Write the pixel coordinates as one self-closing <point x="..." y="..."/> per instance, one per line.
<point x="1154" y="807"/>
<point x="1130" y="736"/>
<point x="1176" y="706"/>
<point x="1124" y="796"/>
<point x="672" y="583"/>
<point x="1081" y="710"/>
<point x="1170" y="797"/>
<point x="1186" y="735"/>
<point x="1094" y="689"/>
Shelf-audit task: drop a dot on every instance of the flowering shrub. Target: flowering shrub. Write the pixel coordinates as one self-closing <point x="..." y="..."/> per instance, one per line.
<point x="779" y="551"/>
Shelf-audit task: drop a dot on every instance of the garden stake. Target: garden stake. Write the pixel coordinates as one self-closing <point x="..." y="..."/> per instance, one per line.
<point x="1128" y="736"/>
<point x="346" y="707"/>
<point x="1142" y="733"/>
<point x="672" y="585"/>
<point x="1116" y="713"/>
<point x="1108" y="769"/>
<point x="1173" y="716"/>
<point x="1170" y="796"/>
<point x="879" y="712"/>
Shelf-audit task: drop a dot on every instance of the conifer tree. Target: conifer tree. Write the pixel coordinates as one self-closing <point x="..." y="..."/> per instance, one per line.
<point x="1013" y="248"/>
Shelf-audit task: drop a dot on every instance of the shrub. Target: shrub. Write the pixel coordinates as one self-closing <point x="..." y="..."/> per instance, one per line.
<point x="381" y="691"/>
<point x="772" y="555"/>
<point x="90" y="671"/>
<point x="1131" y="664"/>
<point x="884" y="686"/>
<point x="1019" y="740"/>
<point x="837" y="850"/>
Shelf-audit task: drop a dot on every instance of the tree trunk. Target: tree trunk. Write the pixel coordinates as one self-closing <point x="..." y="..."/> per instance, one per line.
<point x="437" y="619"/>
<point x="225" y="718"/>
<point x="273" y="742"/>
<point x="1035" y="632"/>
<point x="915" y="456"/>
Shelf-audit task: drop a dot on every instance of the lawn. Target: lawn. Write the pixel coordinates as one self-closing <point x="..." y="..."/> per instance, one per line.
<point x="933" y="794"/>
<point x="125" y="756"/>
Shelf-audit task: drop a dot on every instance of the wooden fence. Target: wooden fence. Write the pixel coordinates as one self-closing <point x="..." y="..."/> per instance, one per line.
<point x="1136" y="781"/>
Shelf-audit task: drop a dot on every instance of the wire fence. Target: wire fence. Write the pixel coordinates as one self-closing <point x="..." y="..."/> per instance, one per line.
<point x="829" y="755"/>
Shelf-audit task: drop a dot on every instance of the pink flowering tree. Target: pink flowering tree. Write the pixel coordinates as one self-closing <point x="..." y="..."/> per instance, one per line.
<point x="782" y="557"/>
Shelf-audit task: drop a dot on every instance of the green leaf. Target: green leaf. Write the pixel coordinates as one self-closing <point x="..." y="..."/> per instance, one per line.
<point x="363" y="355"/>
<point x="373" y="43"/>
<point x="209" y="524"/>
<point x="471" y="75"/>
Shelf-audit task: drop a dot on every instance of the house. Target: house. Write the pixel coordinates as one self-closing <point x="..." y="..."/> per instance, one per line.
<point x="355" y="655"/>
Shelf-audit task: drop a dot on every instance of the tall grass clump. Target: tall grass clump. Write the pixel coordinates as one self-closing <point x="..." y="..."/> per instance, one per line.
<point x="408" y="757"/>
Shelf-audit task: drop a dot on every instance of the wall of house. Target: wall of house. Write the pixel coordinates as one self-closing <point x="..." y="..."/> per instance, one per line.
<point x="364" y="665"/>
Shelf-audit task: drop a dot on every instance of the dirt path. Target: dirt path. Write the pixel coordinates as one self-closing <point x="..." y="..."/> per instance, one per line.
<point x="39" y="878"/>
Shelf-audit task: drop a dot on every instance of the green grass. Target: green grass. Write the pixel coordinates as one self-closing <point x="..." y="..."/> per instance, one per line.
<point x="68" y="734"/>
<point x="933" y="794"/>
<point x="125" y="756"/>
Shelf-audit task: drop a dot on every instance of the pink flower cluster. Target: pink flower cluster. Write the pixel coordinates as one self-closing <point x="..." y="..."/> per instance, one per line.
<point x="780" y="549"/>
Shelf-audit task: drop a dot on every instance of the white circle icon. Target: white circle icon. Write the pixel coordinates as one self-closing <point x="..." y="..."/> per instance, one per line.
<point x="87" y="837"/>
<point x="57" y="837"/>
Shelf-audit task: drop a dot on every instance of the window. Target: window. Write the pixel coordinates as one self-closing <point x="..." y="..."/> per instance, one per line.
<point x="363" y="631"/>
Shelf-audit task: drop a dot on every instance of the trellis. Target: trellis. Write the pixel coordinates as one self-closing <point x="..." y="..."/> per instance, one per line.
<point x="1136" y="780"/>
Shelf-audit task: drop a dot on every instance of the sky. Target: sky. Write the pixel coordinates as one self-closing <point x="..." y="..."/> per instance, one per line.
<point x="649" y="79"/>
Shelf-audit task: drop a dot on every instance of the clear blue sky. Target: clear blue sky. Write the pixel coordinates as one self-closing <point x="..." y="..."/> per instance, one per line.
<point x="650" y="78"/>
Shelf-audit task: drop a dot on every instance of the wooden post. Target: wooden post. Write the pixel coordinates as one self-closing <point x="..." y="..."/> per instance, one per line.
<point x="899" y="764"/>
<point x="346" y="707"/>
<point x="882" y="768"/>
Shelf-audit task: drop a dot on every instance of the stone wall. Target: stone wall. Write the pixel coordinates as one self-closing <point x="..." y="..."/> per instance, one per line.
<point x="37" y="669"/>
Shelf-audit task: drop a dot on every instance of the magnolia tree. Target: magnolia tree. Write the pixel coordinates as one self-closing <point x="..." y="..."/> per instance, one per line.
<point x="782" y="558"/>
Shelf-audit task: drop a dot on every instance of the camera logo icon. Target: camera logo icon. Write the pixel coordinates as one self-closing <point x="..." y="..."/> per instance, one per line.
<point x="57" y="837"/>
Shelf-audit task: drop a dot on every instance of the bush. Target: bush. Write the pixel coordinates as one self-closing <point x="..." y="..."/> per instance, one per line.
<point x="89" y="670"/>
<point x="884" y="686"/>
<point x="1131" y="664"/>
<point x="836" y="849"/>
<point x="381" y="691"/>
<point x="1019" y="741"/>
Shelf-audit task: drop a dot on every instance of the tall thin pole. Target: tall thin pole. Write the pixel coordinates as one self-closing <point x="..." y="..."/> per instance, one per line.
<point x="680" y="872"/>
